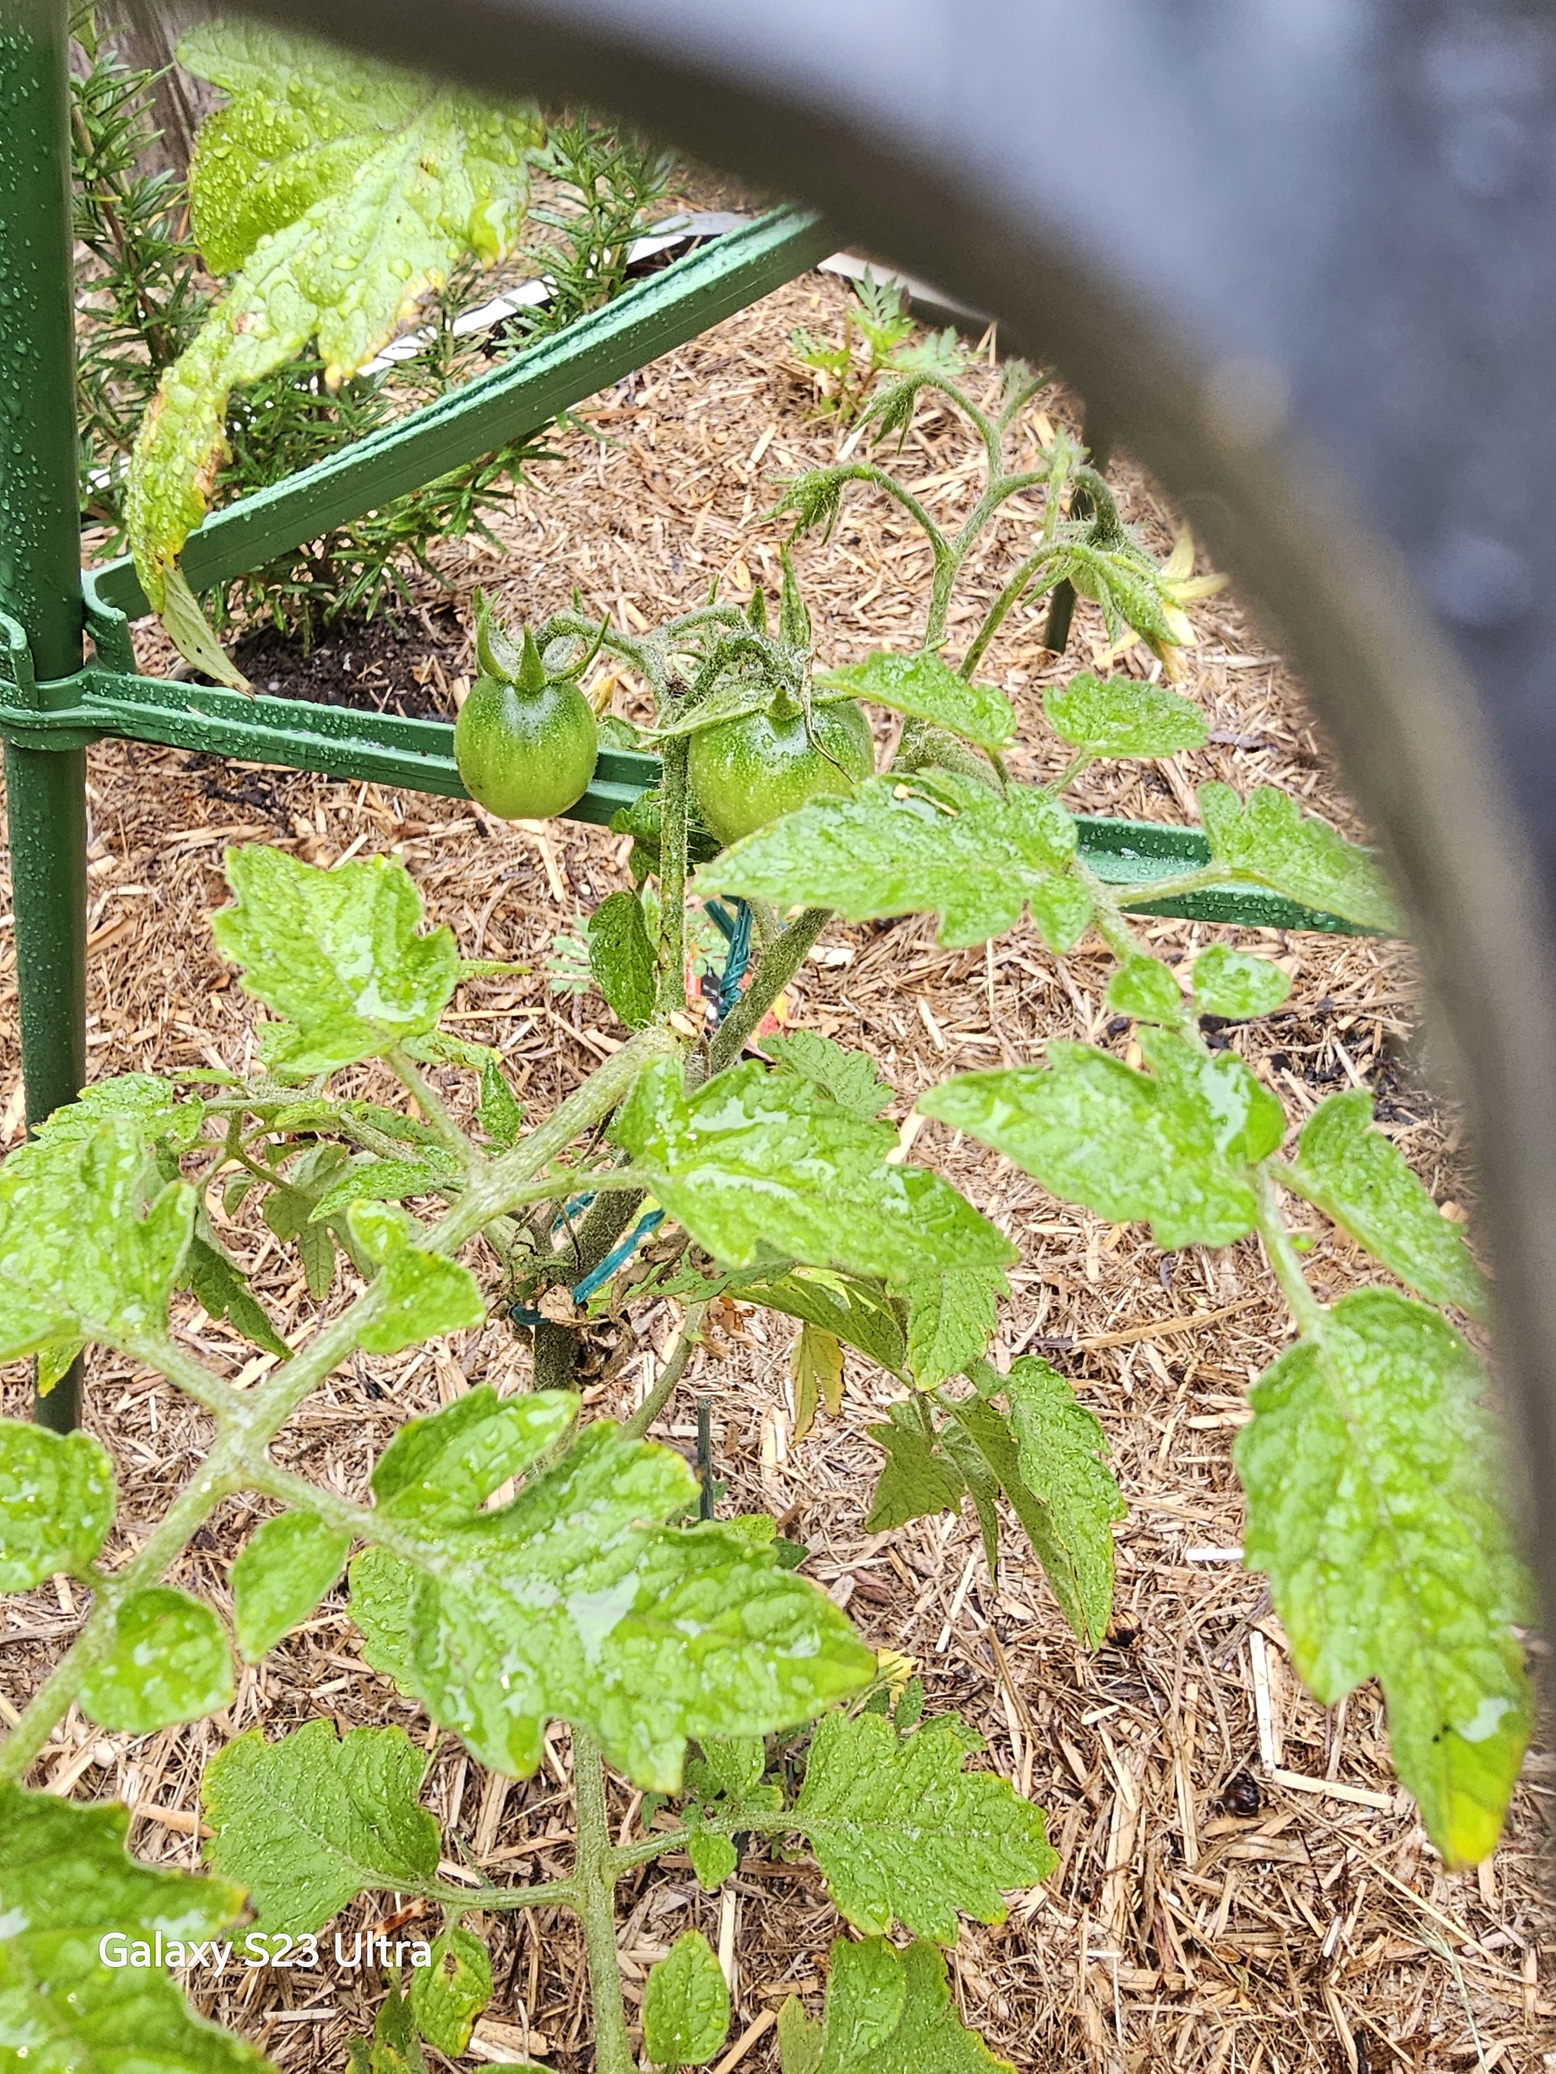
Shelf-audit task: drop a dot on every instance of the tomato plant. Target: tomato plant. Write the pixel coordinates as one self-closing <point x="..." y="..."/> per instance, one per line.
<point x="511" y="1562"/>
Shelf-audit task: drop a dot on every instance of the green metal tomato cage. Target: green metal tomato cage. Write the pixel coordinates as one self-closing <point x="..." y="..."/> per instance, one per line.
<point x="54" y="701"/>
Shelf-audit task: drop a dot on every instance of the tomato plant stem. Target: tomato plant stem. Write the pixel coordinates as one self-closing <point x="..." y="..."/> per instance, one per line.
<point x="779" y="964"/>
<point x="672" y="875"/>
<point x="664" y="1386"/>
<point x="1284" y="1263"/>
<point x="594" y="1878"/>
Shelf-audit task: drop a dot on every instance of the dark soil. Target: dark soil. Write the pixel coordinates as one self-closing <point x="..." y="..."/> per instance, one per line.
<point x="389" y="664"/>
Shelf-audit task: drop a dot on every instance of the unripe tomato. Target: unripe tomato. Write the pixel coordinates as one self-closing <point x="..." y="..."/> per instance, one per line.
<point x="526" y="749"/>
<point x="747" y="772"/>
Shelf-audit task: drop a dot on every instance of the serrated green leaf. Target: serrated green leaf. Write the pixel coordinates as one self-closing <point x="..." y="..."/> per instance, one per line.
<point x="951" y="1318"/>
<point x="310" y="1821"/>
<point x="382" y="1589"/>
<point x="169" y="1663"/>
<point x="930" y="689"/>
<point x="889" y="2012"/>
<point x="452" y="1461"/>
<point x="1375" y="1506"/>
<point x="1067" y="1526"/>
<point x="1119" y="716"/>
<point x="56" y="1503"/>
<point x="622" y="958"/>
<point x="983" y="1486"/>
<point x="280" y="1575"/>
<point x="730" y="1765"/>
<point x="1363" y="1181"/>
<point x="419" y="1295"/>
<point x="889" y="848"/>
<point x="849" y="1077"/>
<point x="219" y="1288"/>
<point x="1145" y="989"/>
<point x="1173" y="1146"/>
<point x="1062" y="1459"/>
<point x="571" y="1601"/>
<point x="155" y="1107"/>
<point x="756" y="1162"/>
<point x="857" y="1310"/>
<point x="335" y="192"/>
<point x="903" y="1834"/>
<point x="288" y="1211"/>
<point x="382" y="1181"/>
<point x="917" y="1478"/>
<point x="338" y="953"/>
<point x="685" y="2005"/>
<point x="1236" y="984"/>
<point x="66" y="1883"/>
<point x="816" y="1374"/>
<point x="1268" y="838"/>
<point x="501" y="1112"/>
<point x="90" y="1248"/>
<point x="447" y="1996"/>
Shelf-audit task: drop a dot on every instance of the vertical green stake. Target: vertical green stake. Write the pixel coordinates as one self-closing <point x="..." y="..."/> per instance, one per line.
<point x="40" y="556"/>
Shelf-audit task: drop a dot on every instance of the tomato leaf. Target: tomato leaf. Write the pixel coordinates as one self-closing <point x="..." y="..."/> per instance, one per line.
<point x="382" y="1589"/>
<point x="816" y="1374"/>
<point x="66" y="1884"/>
<point x="56" y="1503"/>
<point x="334" y="192"/>
<point x="450" y="1463"/>
<point x="447" y="1996"/>
<point x="1145" y="989"/>
<point x="1236" y="985"/>
<point x="217" y="1284"/>
<point x="310" y="1821"/>
<point x="91" y="1247"/>
<point x="855" y="1309"/>
<point x="902" y="1833"/>
<point x="501" y="1112"/>
<point x="571" y="1601"/>
<point x="160" y="1115"/>
<point x="1268" y="838"/>
<point x="917" y="1478"/>
<point x="887" y="2012"/>
<point x="1173" y="1146"/>
<point x="383" y="1181"/>
<point x="951" y="1318"/>
<point x="1062" y="1462"/>
<point x="1364" y="1182"/>
<point x="1120" y="716"/>
<point x="419" y="1294"/>
<point x="1375" y="1506"/>
<point x="337" y="953"/>
<point x="930" y="689"/>
<point x="280" y="1575"/>
<point x="685" y="2005"/>
<point x="169" y="1663"/>
<point x="890" y="848"/>
<point x="622" y="958"/>
<point x="849" y="1077"/>
<point x="756" y="1162"/>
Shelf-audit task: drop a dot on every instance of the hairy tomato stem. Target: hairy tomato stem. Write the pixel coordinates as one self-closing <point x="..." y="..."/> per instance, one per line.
<point x="779" y="964"/>
<point x="594" y="1879"/>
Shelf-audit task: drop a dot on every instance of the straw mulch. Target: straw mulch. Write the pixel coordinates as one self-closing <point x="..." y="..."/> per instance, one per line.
<point x="1242" y="1886"/>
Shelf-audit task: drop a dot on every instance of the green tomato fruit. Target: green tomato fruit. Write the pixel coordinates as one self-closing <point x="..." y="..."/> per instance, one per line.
<point x="747" y="772"/>
<point x="525" y="755"/>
